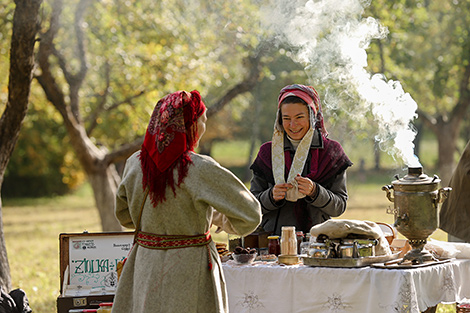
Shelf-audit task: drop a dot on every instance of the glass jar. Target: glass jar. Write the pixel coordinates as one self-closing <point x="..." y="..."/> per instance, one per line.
<point x="319" y="250"/>
<point x="234" y="241"/>
<point x="273" y="245"/>
<point x="346" y="251"/>
<point x="365" y="250"/>
<point x="305" y="245"/>
<point x="105" y="307"/>
<point x="288" y="241"/>
<point x="347" y="248"/>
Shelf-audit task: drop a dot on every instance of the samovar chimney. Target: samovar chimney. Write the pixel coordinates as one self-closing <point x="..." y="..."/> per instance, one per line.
<point x="415" y="171"/>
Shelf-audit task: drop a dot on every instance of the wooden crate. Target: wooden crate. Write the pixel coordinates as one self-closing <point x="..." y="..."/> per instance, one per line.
<point x="89" y="260"/>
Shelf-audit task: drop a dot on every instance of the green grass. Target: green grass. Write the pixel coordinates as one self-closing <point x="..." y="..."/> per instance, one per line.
<point x="32" y="229"/>
<point x="32" y="226"/>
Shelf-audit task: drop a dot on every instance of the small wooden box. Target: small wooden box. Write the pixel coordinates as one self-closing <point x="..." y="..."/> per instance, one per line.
<point x="88" y="268"/>
<point x="400" y="245"/>
<point x="257" y="240"/>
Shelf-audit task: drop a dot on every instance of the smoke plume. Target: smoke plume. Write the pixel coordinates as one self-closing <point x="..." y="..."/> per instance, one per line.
<point x="331" y="38"/>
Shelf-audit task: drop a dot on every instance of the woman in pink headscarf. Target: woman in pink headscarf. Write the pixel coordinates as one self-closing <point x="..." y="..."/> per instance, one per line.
<point x="300" y="176"/>
<point x="171" y="196"/>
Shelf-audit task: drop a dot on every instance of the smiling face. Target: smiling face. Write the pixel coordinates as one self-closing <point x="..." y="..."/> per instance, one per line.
<point x="295" y="120"/>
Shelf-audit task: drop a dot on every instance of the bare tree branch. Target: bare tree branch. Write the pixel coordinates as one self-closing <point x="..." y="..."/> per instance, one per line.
<point x="101" y="109"/>
<point x="86" y="151"/>
<point x="76" y="80"/>
<point x="254" y="67"/>
<point x="464" y="92"/>
<point x="102" y="99"/>
<point x="46" y="48"/>
<point x="124" y="151"/>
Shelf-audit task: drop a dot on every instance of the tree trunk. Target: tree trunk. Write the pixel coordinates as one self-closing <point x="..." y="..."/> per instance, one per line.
<point x="447" y="146"/>
<point x="25" y="28"/>
<point x="255" y="130"/>
<point x="5" y="278"/>
<point x="376" y="156"/>
<point x="417" y="140"/>
<point x="104" y="184"/>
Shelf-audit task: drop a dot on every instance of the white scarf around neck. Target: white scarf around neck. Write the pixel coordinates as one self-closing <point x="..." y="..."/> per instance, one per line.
<point x="300" y="157"/>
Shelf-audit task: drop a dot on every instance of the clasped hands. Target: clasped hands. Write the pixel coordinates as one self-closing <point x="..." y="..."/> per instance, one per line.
<point x="305" y="185"/>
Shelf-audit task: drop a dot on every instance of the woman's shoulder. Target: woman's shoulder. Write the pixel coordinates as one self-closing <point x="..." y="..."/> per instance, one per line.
<point x="265" y="150"/>
<point x="329" y="143"/>
<point x="201" y="160"/>
<point x="133" y="160"/>
<point x="134" y="157"/>
<point x="206" y="166"/>
<point x="266" y="145"/>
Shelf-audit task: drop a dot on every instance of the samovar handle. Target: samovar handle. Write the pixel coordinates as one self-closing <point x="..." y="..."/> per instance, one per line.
<point x="443" y="194"/>
<point x="388" y="188"/>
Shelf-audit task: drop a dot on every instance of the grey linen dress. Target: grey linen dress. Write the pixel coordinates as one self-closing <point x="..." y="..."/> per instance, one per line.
<point x="179" y="280"/>
<point x="454" y="216"/>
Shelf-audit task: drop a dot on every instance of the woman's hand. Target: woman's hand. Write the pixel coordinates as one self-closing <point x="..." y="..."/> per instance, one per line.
<point x="280" y="190"/>
<point x="306" y="186"/>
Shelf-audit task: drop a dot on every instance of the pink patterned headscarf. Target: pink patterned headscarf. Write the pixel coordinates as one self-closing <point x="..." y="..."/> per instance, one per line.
<point x="310" y="96"/>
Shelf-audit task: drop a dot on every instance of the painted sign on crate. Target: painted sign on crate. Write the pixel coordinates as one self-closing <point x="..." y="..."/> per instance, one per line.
<point x="93" y="259"/>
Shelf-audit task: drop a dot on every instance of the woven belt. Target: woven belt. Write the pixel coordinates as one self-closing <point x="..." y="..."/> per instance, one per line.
<point x="165" y="242"/>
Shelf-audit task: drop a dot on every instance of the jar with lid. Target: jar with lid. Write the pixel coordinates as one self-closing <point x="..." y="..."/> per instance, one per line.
<point x="105" y="307"/>
<point x="300" y="238"/>
<point x="274" y="246"/>
<point x="288" y="241"/>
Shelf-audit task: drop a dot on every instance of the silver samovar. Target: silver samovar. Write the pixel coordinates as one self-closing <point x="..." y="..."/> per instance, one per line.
<point x="416" y="199"/>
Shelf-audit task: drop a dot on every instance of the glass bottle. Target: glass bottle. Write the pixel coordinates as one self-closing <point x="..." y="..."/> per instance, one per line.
<point x="288" y="241"/>
<point x="300" y="238"/>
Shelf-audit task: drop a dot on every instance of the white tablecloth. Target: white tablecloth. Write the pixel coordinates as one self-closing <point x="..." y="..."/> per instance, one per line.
<point x="299" y="289"/>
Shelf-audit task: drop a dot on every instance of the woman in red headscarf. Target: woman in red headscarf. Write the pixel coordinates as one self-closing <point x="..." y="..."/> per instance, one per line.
<point x="300" y="176"/>
<point x="174" y="265"/>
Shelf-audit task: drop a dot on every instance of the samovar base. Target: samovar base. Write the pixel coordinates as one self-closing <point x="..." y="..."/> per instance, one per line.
<point x="418" y="255"/>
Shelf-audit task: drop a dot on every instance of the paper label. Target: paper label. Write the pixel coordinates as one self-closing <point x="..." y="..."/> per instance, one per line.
<point x="93" y="259"/>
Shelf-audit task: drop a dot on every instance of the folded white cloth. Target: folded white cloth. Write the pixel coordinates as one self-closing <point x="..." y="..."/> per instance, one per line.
<point x="341" y="228"/>
<point x="444" y="249"/>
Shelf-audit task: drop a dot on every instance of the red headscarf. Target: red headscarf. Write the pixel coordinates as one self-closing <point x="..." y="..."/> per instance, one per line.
<point x="168" y="140"/>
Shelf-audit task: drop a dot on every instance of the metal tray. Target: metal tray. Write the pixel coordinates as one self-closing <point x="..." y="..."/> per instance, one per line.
<point x="349" y="262"/>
